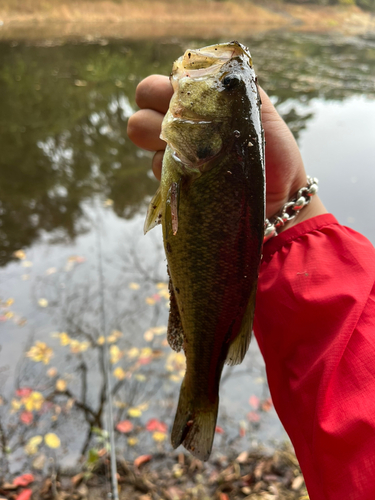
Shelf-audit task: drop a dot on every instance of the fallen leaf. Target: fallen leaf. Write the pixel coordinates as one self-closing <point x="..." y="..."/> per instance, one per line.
<point x="43" y="302"/>
<point x="32" y="445"/>
<point x="60" y="385"/>
<point x="119" y="373"/>
<point x="23" y="480"/>
<point x="19" y="254"/>
<point x="125" y="426"/>
<point x="159" y="436"/>
<point x="132" y="441"/>
<point x="39" y="462"/>
<point x="219" y="430"/>
<point x="134" y="412"/>
<point x="52" y="441"/>
<point x="40" y="352"/>
<point x="252" y="416"/>
<point x="155" y="425"/>
<point x="24" y="392"/>
<point x="52" y="372"/>
<point x="26" y="417"/>
<point x="134" y="286"/>
<point x="242" y="457"/>
<point x="142" y="459"/>
<point x="254" y="402"/>
<point x="266" y="405"/>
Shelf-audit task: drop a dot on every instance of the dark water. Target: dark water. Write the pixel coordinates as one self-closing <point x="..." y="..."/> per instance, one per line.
<point x="73" y="194"/>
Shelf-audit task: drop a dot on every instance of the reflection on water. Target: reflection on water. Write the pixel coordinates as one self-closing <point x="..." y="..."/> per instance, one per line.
<point x="69" y="177"/>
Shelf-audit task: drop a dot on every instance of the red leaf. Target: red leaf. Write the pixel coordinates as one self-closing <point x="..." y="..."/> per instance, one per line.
<point x="253" y="416"/>
<point x="23" y="480"/>
<point x="25" y="495"/>
<point x="266" y="405"/>
<point x="156" y="297"/>
<point x="254" y="402"/>
<point x="154" y="425"/>
<point x="23" y="392"/>
<point x="142" y="459"/>
<point x="242" y="432"/>
<point x="145" y="361"/>
<point x="124" y="426"/>
<point x="26" y="417"/>
<point x="219" y="430"/>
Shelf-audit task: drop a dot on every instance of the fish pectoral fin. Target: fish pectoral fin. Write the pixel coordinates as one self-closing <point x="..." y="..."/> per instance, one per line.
<point x="194" y="430"/>
<point x="171" y="211"/>
<point x="239" y="346"/>
<point x="154" y="212"/>
<point x="175" y="333"/>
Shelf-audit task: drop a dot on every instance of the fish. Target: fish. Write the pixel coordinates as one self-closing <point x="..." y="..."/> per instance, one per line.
<point x="211" y="204"/>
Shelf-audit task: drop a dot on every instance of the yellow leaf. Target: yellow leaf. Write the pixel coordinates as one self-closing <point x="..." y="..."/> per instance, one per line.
<point x="161" y="285"/>
<point x="111" y="339"/>
<point x="119" y="373"/>
<point x="19" y="254"/>
<point x="164" y="294"/>
<point x="60" y="385"/>
<point x="34" y="401"/>
<point x="133" y="353"/>
<point x="108" y="203"/>
<point x="40" y="352"/>
<point x="52" y="441"/>
<point x="159" y="436"/>
<point x="116" y="333"/>
<point x="43" y="302"/>
<point x="134" y="286"/>
<point x="115" y="354"/>
<point x="150" y="301"/>
<point x="145" y="352"/>
<point x="32" y="445"/>
<point x="51" y="270"/>
<point x="64" y="338"/>
<point x="9" y="302"/>
<point x="132" y="441"/>
<point x="9" y="314"/>
<point x="16" y="404"/>
<point x="159" y="330"/>
<point x="148" y="335"/>
<point x="134" y="412"/>
<point x="26" y="263"/>
<point x="84" y="346"/>
<point x="52" y="372"/>
<point x="101" y="340"/>
<point x="140" y="377"/>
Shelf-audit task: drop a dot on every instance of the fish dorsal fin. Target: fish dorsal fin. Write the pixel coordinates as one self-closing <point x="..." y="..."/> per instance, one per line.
<point x="239" y="346"/>
<point x="175" y="333"/>
<point x="154" y="212"/>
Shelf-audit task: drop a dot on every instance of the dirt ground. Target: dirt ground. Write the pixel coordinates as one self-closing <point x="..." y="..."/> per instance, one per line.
<point x="66" y="19"/>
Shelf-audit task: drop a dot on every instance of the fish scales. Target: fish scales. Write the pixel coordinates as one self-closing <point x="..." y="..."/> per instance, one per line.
<point x="211" y="205"/>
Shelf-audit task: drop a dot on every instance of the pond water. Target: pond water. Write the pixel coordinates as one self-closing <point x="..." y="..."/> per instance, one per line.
<point x="78" y="280"/>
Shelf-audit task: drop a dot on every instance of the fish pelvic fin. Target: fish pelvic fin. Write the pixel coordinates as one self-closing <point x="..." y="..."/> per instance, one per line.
<point x="195" y="430"/>
<point x="240" y="345"/>
<point x="154" y="212"/>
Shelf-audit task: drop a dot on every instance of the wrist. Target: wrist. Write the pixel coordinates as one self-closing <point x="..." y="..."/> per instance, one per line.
<point x="314" y="208"/>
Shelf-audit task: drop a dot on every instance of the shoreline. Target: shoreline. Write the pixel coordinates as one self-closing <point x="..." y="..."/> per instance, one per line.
<point x="127" y="19"/>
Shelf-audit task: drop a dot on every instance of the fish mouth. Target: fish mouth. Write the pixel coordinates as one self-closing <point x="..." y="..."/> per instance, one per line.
<point x="208" y="60"/>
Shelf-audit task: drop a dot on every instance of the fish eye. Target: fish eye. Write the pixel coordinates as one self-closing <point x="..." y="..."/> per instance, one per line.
<point x="230" y="81"/>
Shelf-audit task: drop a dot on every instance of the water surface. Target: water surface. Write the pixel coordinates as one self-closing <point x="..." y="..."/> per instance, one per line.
<point x="75" y="267"/>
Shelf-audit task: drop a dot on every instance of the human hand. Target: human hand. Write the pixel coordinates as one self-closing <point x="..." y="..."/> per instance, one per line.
<point x="285" y="173"/>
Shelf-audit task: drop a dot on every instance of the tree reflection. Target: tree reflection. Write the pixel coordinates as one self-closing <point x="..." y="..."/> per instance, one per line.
<point x="65" y="108"/>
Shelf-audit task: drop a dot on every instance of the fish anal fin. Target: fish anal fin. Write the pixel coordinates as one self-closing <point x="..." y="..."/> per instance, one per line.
<point x="239" y="346"/>
<point x="154" y="212"/>
<point x="175" y="332"/>
<point x="194" y="430"/>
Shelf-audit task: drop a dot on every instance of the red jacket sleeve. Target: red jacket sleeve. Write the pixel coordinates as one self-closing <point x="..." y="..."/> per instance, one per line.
<point x="315" y="325"/>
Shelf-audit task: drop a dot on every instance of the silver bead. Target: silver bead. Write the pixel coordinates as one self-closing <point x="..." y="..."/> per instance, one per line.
<point x="300" y="203"/>
<point x="313" y="190"/>
<point x="269" y="232"/>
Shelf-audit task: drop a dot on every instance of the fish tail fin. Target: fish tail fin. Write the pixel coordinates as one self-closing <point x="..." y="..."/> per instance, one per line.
<point x="195" y="431"/>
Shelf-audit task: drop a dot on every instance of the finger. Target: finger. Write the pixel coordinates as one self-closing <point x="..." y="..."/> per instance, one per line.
<point x="157" y="162"/>
<point x="144" y="129"/>
<point x="154" y="92"/>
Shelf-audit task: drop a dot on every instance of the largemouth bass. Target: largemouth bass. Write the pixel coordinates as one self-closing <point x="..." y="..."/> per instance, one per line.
<point x="211" y="206"/>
